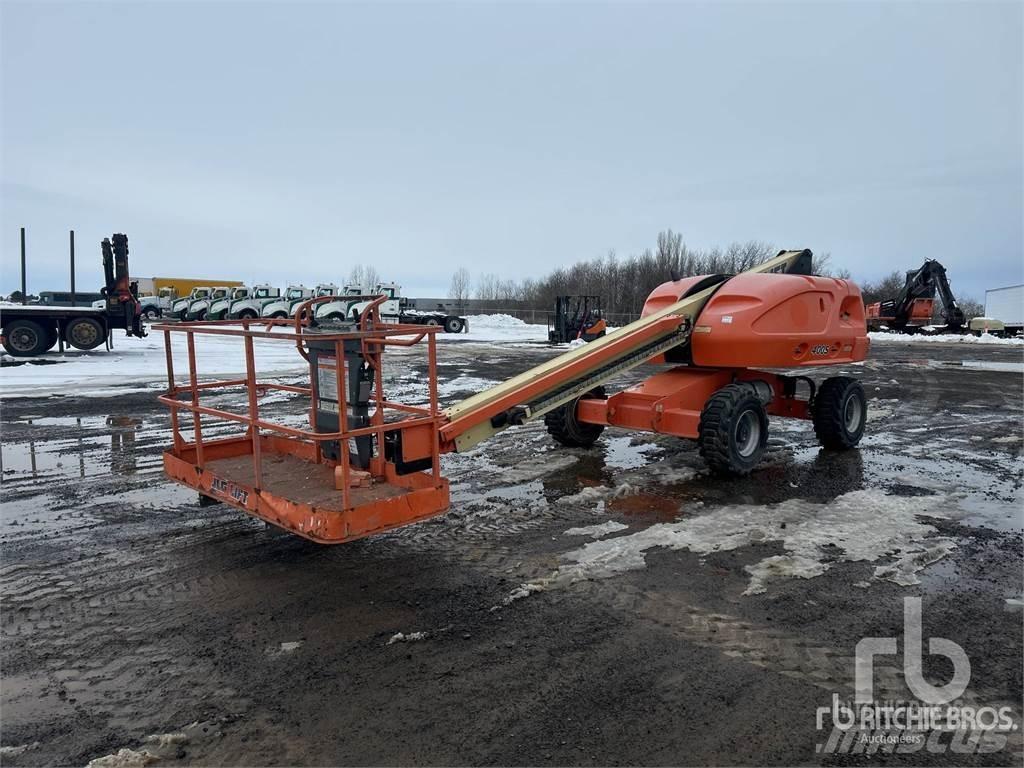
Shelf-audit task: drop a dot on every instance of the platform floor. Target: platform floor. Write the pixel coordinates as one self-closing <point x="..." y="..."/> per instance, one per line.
<point x="299" y="481"/>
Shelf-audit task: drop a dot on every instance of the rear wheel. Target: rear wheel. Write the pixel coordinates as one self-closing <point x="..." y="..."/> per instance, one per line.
<point x="733" y="430"/>
<point x="563" y="425"/>
<point x="453" y="325"/>
<point x="84" y="333"/>
<point x="839" y="412"/>
<point x="432" y="321"/>
<point x="26" y="338"/>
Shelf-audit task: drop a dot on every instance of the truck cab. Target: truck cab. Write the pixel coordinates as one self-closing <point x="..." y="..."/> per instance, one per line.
<point x="337" y="310"/>
<point x="180" y="307"/>
<point x="294" y="295"/>
<point x="197" y="309"/>
<point x="390" y="308"/>
<point x="322" y="289"/>
<point x="166" y="297"/>
<point x="252" y="306"/>
<point x="219" y="307"/>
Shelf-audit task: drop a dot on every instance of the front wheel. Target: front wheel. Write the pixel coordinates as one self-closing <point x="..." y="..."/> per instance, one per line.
<point x="453" y="325"/>
<point x="563" y="425"/>
<point x="247" y="314"/>
<point x="839" y="412"/>
<point x="151" y="313"/>
<point x="733" y="430"/>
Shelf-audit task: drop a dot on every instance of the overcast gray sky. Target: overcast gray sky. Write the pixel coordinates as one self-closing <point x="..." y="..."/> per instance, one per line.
<point x="281" y="141"/>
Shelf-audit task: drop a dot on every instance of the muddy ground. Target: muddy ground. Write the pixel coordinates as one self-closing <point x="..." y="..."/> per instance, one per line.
<point x="129" y="610"/>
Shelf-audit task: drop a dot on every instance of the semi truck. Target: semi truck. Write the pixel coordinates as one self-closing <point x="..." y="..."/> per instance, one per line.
<point x="252" y="306"/>
<point x="198" y="308"/>
<point x="219" y="309"/>
<point x="293" y="296"/>
<point x="26" y="331"/>
<point x="397" y="309"/>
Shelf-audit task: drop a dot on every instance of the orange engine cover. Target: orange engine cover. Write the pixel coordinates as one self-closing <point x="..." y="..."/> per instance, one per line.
<point x="773" y="321"/>
<point x="781" y="321"/>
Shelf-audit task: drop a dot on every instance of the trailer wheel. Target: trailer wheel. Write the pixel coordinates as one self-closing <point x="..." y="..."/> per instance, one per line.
<point x="26" y="338"/>
<point x="563" y="426"/>
<point x="84" y="333"/>
<point x="453" y="325"/>
<point x="840" y="412"/>
<point x="733" y="430"/>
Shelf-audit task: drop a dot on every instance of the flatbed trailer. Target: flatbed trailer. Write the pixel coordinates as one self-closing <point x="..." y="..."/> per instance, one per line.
<point x="29" y="330"/>
<point x="450" y="323"/>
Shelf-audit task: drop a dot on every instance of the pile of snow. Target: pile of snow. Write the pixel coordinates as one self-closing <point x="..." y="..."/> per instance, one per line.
<point x="907" y="338"/>
<point x="501" y="328"/>
<point x="142" y="361"/>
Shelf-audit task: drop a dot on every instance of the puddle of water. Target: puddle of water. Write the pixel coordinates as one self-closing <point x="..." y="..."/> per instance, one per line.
<point x="646" y="506"/>
<point x="622" y="453"/>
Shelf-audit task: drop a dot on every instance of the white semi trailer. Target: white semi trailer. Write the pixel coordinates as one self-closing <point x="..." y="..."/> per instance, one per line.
<point x="1006" y="305"/>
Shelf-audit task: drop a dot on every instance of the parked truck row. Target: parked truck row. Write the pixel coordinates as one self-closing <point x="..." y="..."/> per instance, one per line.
<point x="225" y="302"/>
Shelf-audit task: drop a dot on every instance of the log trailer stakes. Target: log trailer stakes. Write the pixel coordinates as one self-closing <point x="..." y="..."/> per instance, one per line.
<point x="366" y="464"/>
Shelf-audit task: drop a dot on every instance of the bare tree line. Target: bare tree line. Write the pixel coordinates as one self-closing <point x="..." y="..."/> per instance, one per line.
<point x="624" y="283"/>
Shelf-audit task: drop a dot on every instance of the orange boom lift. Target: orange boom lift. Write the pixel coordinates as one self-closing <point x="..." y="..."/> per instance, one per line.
<point x="364" y="463"/>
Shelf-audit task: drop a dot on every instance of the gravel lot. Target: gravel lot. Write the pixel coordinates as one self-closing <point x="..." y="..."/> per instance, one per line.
<point x="705" y="626"/>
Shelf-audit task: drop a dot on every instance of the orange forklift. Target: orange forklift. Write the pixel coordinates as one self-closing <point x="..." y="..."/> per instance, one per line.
<point x="366" y="463"/>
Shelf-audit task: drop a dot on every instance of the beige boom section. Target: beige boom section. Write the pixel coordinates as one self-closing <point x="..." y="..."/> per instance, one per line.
<point x="561" y="379"/>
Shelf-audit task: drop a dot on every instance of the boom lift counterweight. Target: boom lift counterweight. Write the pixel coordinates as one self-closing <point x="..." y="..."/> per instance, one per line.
<point x="367" y="470"/>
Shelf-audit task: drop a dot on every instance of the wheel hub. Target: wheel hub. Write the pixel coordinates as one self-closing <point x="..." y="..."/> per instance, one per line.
<point x="747" y="434"/>
<point x="23" y="339"/>
<point x="852" y="413"/>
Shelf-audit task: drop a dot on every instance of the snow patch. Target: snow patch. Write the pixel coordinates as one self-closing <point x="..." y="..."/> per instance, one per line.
<point x="124" y="758"/>
<point x="943" y="338"/>
<point x="596" y="531"/>
<point x="865" y="525"/>
<point x="402" y="637"/>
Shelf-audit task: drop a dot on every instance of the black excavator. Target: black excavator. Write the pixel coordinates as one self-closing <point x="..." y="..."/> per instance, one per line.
<point x="913" y="307"/>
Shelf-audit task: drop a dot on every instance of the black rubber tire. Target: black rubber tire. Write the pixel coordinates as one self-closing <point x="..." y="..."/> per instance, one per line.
<point x="26" y="338"/>
<point x="84" y="333"/>
<point x="563" y="426"/>
<point x="201" y="315"/>
<point x="725" y="438"/>
<point x="453" y="325"/>
<point x="432" y="322"/>
<point x="183" y="314"/>
<point x="152" y="313"/>
<point x="839" y="412"/>
<point x="247" y="314"/>
<point x="278" y="315"/>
